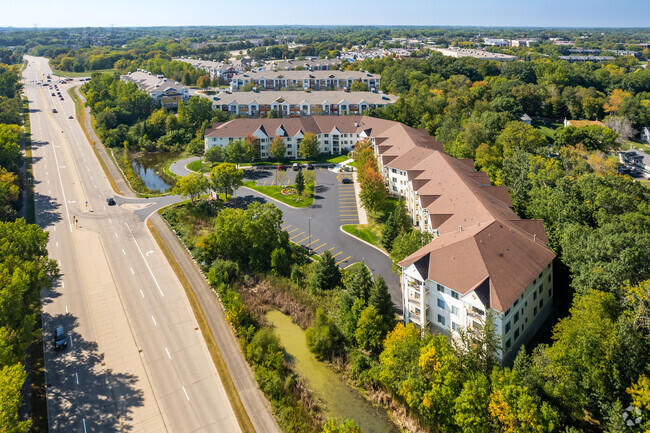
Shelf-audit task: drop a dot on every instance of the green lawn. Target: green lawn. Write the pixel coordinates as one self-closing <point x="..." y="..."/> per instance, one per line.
<point x="276" y="193"/>
<point x="320" y="159"/>
<point x="644" y="182"/>
<point x="82" y="74"/>
<point x="199" y="165"/>
<point x="629" y="143"/>
<point x="547" y="128"/>
<point x="370" y="233"/>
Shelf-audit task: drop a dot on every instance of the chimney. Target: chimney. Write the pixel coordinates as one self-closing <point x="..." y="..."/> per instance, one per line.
<point x="534" y="238"/>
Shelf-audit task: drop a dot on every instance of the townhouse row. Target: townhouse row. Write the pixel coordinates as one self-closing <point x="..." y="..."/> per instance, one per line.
<point x="483" y="261"/>
<point x="313" y="80"/>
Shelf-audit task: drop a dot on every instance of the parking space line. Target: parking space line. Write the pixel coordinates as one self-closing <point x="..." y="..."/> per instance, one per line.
<point x="287" y="227"/>
<point x="340" y="252"/>
<point x="348" y="206"/>
<point x="292" y="231"/>
<point x="343" y="260"/>
<point x="303" y="239"/>
<point x="326" y="251"/>
<point x="351" y="219"/>
<point x="312" y="242"/>
<point x="320" y="246"/>
<point x="296" y="235"/>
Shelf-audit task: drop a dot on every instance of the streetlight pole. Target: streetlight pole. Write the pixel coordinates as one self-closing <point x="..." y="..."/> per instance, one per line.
<point x="309" y="238"/>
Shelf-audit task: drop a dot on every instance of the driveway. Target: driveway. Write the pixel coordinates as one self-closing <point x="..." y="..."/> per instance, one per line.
<point x="179" y="167"/>
<point x="318" y="227"/>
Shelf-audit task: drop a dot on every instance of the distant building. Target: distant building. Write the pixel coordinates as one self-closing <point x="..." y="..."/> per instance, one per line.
<point x="479" y="54"/>
<point x="220" y="69"/>
<point x="636" y="161"/>
<point x="526" y="119"/>
<point x="578" y="59"/>
<point x="169" y="93"/>
<point x="309" y="65"/>
<point x="299" y="103"/>
<point x="495" y="42"/>
<point x="523" y="42"/>
<point x="314" y="80"/>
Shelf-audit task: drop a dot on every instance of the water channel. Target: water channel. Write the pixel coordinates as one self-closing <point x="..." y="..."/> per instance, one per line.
<point x="146" y="168"/>
<point x="341" y="401"/>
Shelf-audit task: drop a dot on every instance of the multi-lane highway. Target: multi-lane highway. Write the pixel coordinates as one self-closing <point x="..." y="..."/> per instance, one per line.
<point x="135" y="359"/>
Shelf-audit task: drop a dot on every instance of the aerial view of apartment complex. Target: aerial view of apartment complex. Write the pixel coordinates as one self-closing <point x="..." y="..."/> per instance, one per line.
<point x="169" y="93"/>
<point x="483" y="259"/>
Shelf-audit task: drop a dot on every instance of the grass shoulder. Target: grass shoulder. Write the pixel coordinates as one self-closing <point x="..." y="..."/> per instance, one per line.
<point x="275" y="192"/>
<point x="370" y="233"/>
<point x="199" y="166"/>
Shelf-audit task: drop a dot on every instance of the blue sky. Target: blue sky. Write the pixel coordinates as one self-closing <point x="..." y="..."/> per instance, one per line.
<point x="541" y="13"/>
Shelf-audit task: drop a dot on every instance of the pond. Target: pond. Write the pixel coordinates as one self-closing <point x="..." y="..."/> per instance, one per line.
<point x="148" y="167"/>
<point x="341" y="400"/>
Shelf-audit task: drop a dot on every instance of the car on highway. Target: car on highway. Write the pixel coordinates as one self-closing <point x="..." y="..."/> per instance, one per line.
<point x="60" y="340"/>
<point x="347" y="180"/>
<point x="111" y="201"/>
<point x="70" y="117"/>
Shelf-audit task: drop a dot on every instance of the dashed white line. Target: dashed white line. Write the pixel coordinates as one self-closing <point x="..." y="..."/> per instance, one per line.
<point x="66" y="309"/>
<point x="110" y="221"/>
<point x="62" y="285"/>
<point x="71" y="341"/>
<point x="123" y="252"/>
<point x="115" y="235"/>
<point x="170" y="357"/>
<point x="84" y="421"/>
<point x="77" y="377"/>
<point x="57" y="244"/>
<point x="141" y="293"/>
<point x="145" y="261"/>
<point x="154" y="321"/>
<point x="132" y="273"/>
<point x="186" y="396"/>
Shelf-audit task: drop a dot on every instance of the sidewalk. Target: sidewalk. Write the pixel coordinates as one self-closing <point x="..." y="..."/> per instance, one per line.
<point x="363" y="215"/>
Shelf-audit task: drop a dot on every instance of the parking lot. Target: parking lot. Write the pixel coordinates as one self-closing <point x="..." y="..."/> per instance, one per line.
<point x="318" y="227"/>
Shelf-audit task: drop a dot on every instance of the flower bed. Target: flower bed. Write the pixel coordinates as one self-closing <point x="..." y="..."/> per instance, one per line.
<point x="288" y="191"/>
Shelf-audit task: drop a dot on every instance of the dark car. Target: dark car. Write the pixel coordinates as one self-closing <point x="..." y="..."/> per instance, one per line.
<point x="310" y="166"/>
<point x="346" y="180"/>
<point x="281" y="167"/>
<point x="60" y="341"/>
<point x="111" y="201"/>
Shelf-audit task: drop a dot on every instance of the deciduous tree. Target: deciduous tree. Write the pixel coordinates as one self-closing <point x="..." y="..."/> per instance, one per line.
<point x="225" y="178"/>
<point x="308" y="147"/>
<point x="277" y="148"/>
<point x="192" y="186"/>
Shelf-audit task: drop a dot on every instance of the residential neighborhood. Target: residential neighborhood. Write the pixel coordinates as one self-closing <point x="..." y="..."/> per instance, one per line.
<point x="313" y="80"/>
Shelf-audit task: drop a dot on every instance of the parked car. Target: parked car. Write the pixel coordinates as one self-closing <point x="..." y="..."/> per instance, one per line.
<point x="60" y="340"/>
<point x="310" y="166"/>
<point x="111" y="201"/>
<point x="281" y="167"/>
<point x="295" y="166"/>
<point x="347" y="180"/>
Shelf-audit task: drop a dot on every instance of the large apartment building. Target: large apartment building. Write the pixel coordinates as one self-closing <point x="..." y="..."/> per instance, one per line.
<point x="299" y="103"/>
<point x="307" y="64"/>
<point x="314" y="80"/>
<point x="169" y="93"/>
<point x="220" y="69"/>
<point x="483" y="259"/>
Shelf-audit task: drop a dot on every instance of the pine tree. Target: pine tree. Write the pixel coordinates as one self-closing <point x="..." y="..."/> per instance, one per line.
<point x="381" y="300"/>
<point x="326" y="275"/>
<point x="358" y="281"/>
<point x="300" y="183"/>
<point x="398" y="222"/>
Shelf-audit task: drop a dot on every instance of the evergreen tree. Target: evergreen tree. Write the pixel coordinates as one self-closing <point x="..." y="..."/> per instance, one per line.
<point x="381" y="300"/>
<point x="398" y="222"/>
<point x="358" y="282"/>
<point x="326" y="275"/>
<point x="300" y="183"/>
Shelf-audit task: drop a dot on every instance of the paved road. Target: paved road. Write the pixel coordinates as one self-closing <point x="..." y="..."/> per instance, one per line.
<point x="179" y="167"/>
<point x="135" y="360"/>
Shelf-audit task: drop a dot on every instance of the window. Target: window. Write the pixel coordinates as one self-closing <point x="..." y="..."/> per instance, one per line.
<point x="515" y="303"/>
<point x="441" y="288"/>
<point x="508" y="343"/>
<point x="508" y="326"/>
<point x="506" y="313"/>
<point x="441" y="320"/>
<point x="541" y="303"/>
<point x="549" y="292"/>
<point x="441" y="304"/>
<point x="549" y="278"/>
<point x="455" y="311"/>
<point x="263" y="154"/>
<point x="455" y="295"/>
<point x="516" y="319"/>
<point x="516" y="333"/>
<point x="539" y="289"/>
<point x="534" y="295"/>
<point x="535" y="311"/>
<point x="455" y="326"/>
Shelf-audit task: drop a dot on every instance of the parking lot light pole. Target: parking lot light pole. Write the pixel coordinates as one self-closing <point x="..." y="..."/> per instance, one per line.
<point x="309" y="238"/>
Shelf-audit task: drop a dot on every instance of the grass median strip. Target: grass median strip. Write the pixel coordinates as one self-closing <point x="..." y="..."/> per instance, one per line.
<point x="226" y="379"/>
<point x="276" y="193"/>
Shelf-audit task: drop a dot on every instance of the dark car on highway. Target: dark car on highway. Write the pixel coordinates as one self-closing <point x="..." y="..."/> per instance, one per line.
<point x="111" y="201"/>
<point x="60" y="341"/>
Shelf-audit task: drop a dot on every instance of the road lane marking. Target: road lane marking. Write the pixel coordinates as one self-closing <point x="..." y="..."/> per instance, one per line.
<point x="313" y="242"/>
<point x="154" y="321"/>
<point x="350" y="219"/>
<point x="71" y="345"/>
<point x="303" y="239"/>
<point x="115" y="235"/>
<point x="145" y="261"/>
<point x="104" y="206"/>
<point x="132" y="273"/>
<point x="57" y="244"/>
<point x="320" y="246"/>
<point x="321" y="254"/>
<point x="343" y="260"/>
<point x="123" y="252"/>
<point x="77" y="377"/>
<point x="186" y="396"/>
<point x="84" y="421"/>
<point x="340" y="252"/>
<point x="292" y="231"/>
<point x="296" y="235"/>
<point x="170" y="357"/>
<point x="62" y="285"/>
<point x="66" y="309"/>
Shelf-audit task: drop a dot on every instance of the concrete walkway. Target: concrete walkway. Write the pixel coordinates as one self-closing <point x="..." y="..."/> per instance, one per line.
<point x="363" y="215"/>
<point x="179" y="168"/>
<point x="337" y="168"/>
